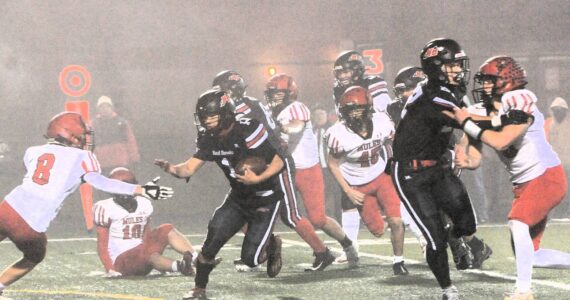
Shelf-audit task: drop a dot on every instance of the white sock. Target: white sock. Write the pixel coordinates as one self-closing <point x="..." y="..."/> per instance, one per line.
<point x="175" y="266"/>
<point x="549" y="258"/>
<point x="398" y="259"/>
<point x="194" y="256"/>
<point x="351" y="225"/>
<point x="524" y="250"/>
<point x="2" y="287"/>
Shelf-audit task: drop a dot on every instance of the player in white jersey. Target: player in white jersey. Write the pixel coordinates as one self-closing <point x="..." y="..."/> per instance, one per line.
<point x="54" y="171"/>
<point x="539" y="182"/>
<point x="297" y="131"/>
<point x="126" y="243"/>
<point x="357" y="160"/>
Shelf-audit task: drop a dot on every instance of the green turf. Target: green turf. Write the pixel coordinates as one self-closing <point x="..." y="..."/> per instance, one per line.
<point x="72" y="271"/>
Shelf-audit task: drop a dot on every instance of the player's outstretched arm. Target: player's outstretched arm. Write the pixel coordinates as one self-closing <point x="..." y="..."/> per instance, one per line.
<point x="112" y="186"/>
<point x="183" y="170"/>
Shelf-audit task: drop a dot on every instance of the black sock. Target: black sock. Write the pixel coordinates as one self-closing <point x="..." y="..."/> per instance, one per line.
<point x="346" y="242"/>
<point x="439" y="265"/>
<point x="475" y="244"/>
<point x="202" y="273"/>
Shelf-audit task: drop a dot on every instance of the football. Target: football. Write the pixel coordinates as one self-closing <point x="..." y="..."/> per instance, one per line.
<point x="252" y="163"/>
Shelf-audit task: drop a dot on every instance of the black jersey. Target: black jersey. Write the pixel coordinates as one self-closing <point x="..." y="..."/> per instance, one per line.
<point x="247" y="138"/>
<point x="395" y="111"/>
<point x="424" y="133"/>
<point x="252" y="108"/>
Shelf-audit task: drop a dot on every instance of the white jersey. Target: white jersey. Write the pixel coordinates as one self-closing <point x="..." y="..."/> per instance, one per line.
<point x="302" y="146"/>
<point x="52" y="173"/>
<point x="363" y="159"/>
<point x="528" y="157"/>
<point x="126" y="230"/>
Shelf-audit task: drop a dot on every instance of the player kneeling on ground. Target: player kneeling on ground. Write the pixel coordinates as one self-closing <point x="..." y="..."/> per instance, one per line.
<point x="125" y="242"/>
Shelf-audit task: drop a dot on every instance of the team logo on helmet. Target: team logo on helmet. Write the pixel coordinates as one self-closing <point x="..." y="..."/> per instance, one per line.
<point x="354" y="57"/>
<point x="431" y="52"/>
<point x="234" y="77"/>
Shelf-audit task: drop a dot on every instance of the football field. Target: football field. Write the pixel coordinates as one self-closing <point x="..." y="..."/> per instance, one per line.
<point x="72" y="270"/>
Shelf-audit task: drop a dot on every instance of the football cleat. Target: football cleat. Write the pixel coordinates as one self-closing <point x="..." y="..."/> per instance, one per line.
<point x="322" y="260"/>
<point x="481" y="255"/>
<point x="516" y="295"/>
<point x="400" y="269"/>
<point x="450" y="293"/>
<point x="351" y="256"/>
<point x="462" y="255"/>
<point x="185" y="265"/>
<point x="241" y="267"/>
<point x="274" y="262"/>
<point x="195" y="293"/>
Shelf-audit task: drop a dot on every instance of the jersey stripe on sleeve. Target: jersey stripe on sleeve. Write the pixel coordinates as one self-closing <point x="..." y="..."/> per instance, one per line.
<point x="257" y="137"/>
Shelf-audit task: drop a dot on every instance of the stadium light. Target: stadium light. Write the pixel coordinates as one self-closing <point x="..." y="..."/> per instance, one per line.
<point x="271" y="70"/>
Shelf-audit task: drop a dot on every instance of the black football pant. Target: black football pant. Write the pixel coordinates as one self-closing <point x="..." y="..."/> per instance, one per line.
<point x="227" y="220"/>
<point x="427" y="192"/>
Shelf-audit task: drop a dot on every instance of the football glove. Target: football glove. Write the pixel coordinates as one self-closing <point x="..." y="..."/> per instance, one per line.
<point x="156" y="192"/>
<point x="516" y="117"/>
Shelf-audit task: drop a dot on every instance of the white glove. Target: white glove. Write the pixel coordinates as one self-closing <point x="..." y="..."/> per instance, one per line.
<point x="112" y="274"/>
<point x="156" y="192"/>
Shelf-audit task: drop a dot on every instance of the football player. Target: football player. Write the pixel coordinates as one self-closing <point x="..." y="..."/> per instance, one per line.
<point x="126" y="243"/>
<point x="294" y="118"/>
<point x="253" y="199"/>
<point x="426" y="183"/>
<point x="357" y="160"/>
<point x="348" y="70"/>
<point x="404" y="84"/>
<point x="539" y="181"/>
<point x="53" y="171"/>
<point x="234" y="85"/>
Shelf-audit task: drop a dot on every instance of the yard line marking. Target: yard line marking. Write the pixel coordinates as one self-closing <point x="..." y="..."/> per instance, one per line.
<point x="494" y="274"/>
<point x="77" y="293"/>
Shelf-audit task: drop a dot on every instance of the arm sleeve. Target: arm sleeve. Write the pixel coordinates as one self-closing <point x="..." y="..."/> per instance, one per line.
<point x="112" y="186"/>
<point x="103" y="247"/>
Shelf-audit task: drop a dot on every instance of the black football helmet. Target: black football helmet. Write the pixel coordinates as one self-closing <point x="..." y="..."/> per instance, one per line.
<point x="407" y="79"/>
<point x="232" y="83"/>
<point x="355" y="107"/>
<point x="442" y="51"/>
<point x="212" y="103"/>
<point x="349" y="61"/>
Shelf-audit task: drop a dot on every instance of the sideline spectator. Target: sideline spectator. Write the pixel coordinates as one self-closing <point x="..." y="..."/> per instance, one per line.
<point x="116" y="143"/>
<point x="557" y="129"/>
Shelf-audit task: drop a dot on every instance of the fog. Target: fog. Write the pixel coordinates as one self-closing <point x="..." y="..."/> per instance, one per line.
<point x="154" y="58"/>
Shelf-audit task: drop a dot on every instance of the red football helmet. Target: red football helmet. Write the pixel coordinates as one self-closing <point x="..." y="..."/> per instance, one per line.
<point x="506" y="73"/>
<point x="280" y="83"/>
<point x="69" y="129"/>
<point x="123" y="174"/>
<point x="355" y="107"/>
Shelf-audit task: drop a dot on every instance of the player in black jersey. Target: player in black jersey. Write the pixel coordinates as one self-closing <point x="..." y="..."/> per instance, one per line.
<point x="426" y="184"/>
<point x="252" y="200"/>
<point x="234" y="85"/>
<point x="404" y="84"/>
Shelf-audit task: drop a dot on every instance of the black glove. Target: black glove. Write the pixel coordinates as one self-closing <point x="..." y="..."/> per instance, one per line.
<point x="156" y="192"/>
<point x="516" y="117"/>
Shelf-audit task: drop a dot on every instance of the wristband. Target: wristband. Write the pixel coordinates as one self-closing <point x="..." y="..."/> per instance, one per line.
<point x="472" y="129"/>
